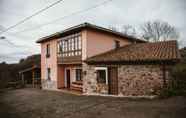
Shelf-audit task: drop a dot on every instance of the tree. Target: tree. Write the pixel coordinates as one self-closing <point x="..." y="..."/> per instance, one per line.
<point x="183" y="55"/>
<point x="21" y="60"/>
<point x="124" y="29"/>
<point x="128" y="30"/>
<point x="158" y="31"/>
<point x="113" y="28"/>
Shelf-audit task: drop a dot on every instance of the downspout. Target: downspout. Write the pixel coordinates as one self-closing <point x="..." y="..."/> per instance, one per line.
<point x="164" y="76"/>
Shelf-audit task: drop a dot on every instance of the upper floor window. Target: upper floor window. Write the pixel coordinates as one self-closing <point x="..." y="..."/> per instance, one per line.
<point x="70" y="45"/>
<point x="117" y="44"/>
<point x="48" y="50"/>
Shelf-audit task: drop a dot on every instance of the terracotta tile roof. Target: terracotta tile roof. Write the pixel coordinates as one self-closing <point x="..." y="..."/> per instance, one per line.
<point x="85" y="25"/>
<point x="159" y="51"/>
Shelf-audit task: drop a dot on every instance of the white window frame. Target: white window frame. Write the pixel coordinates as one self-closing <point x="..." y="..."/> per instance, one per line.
<point x="76" y="73"/>
<point x="106" y="72"/>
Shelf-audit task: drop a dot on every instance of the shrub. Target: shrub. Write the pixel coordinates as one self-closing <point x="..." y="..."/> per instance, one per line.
<point x="178" y="83"/>
<point x="179" y="76"/>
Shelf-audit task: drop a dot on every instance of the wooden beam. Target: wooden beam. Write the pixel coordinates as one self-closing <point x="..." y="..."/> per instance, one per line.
<point x="164" y="76"/>
<point x="22" y="78"/>
<point x="33" y="76"/>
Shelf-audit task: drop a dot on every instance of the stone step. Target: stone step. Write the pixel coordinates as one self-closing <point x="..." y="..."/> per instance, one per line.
<point x="78" y="83"/>
<point x="76" y="88"/>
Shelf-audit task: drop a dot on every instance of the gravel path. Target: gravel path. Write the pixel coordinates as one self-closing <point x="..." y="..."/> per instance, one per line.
<point x="34" y="103"/>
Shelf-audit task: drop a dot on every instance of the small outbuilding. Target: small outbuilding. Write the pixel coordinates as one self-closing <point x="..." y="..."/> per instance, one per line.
<point x="30" y="71"/>
<point x="134" y="70"/>
<point x="31" y="76"/>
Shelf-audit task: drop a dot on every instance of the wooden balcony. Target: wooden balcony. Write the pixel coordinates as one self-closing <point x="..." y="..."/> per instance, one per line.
<point x="70" y="60"/>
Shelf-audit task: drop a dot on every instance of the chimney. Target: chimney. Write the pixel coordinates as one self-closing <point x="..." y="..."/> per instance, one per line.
<point x="117" y="44"/>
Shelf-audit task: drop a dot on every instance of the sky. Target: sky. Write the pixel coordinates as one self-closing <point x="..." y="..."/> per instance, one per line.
<point x="22" y="39"/>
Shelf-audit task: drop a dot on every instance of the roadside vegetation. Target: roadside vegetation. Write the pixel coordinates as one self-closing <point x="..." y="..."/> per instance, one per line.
<point x="178" y="83"/>
<point x="10" y="72"/>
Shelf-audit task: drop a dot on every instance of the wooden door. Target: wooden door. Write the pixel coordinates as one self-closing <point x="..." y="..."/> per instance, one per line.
<point x="68" y="78"/>
<point x="113" y="80"/>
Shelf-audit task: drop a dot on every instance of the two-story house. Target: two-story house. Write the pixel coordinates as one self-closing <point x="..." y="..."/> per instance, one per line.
<point x="96" y="60"/>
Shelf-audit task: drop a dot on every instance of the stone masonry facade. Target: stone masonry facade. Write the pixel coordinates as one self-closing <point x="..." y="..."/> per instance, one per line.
<point x="140" y="80"/>
<point x="90" y="85"/>
<point x="133" y="80"/>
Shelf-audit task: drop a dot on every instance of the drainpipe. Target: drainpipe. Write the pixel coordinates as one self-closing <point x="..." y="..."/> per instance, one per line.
<point x="164" y="76"/>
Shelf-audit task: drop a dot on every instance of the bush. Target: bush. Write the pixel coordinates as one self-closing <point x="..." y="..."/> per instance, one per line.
<point x="179" y="77"/>
<point x="169" y="92"/>
<point x="178" y="83"/>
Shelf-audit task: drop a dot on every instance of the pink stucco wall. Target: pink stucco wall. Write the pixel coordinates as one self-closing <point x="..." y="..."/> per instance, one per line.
<point x="50" y="62"/>
<point x="94" y="42"/>
<point x="61" y="76"/>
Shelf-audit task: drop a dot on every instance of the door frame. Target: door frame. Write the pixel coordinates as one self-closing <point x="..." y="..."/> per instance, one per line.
<point x="66" y="76"/>
<point x="109" y="81"/>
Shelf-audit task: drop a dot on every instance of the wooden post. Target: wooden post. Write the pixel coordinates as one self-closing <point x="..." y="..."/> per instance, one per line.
<point x="33" y="78"/>
<point x="164" y="76"/>
<point x="22" y="78"/>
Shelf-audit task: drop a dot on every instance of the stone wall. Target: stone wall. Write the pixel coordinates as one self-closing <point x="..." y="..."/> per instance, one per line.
<point x="49" y="84"/>
<point x="139" y="80"/>
<point x="133" y="80"/>
<point x="90" y="85"/>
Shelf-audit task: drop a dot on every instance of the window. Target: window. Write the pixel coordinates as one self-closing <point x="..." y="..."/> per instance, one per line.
<point x="117" y="44"/>
<point x="70" y="45"/>
<point x="78" y="74"/>
<point x="48" y="50"/>
<point x="48" y="74"/>
<point x="102" y="75"/>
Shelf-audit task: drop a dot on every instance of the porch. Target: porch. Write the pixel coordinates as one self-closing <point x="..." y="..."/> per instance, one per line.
<point x="70" y="78"/>
<point x="31" y="77"/>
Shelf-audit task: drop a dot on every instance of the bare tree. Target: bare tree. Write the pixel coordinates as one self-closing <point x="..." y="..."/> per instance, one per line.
<point x="125" y="29"/>
<point x="128" y="30"/>
<point x="113" y="28"/>
<point x="158" y="31"/>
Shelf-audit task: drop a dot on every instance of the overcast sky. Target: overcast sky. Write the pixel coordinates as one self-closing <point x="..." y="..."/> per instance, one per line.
<point x="114" y="13"/>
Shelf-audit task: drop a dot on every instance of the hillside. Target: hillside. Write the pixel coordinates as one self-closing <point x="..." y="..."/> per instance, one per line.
<point x="9" y="72"/>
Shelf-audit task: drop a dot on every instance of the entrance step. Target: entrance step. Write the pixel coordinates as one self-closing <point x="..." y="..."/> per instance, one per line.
<point x="77" y="86"/>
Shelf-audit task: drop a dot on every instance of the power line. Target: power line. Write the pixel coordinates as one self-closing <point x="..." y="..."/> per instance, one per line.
<point x="9" y="42"/>
<point x="13" y="44"/>
<point x="64" y="17"/>
<point x="29" y="17"/>
<point x="3" y="38"/>
<point x="51" y="22"/>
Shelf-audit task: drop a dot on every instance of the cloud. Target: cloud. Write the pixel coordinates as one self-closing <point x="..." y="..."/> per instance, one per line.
<point x="115" y="13"/>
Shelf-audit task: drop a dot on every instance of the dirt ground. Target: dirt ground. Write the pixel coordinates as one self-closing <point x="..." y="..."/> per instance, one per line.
<point x="34" y="103"/>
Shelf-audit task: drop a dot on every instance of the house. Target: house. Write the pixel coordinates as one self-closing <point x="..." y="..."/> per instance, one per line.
<point x="96" y="60"/>
<point x="30" y="71"/>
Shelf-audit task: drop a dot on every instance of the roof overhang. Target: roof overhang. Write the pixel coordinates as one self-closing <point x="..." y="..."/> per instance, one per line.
<point x="80" y="27"/>
<point x="142" y="62"/>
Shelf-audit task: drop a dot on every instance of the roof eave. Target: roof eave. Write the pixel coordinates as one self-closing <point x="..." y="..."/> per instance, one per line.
<point x="163" y="61"/>
<point x="87" y="25"/>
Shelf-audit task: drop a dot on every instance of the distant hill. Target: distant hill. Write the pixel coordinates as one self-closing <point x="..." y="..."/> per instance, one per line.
<point x="30" y="61"/>
<point x="9" y="72"/>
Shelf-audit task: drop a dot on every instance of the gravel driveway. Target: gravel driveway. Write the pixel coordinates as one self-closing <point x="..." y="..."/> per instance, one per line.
<point x="34" y="103"/>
